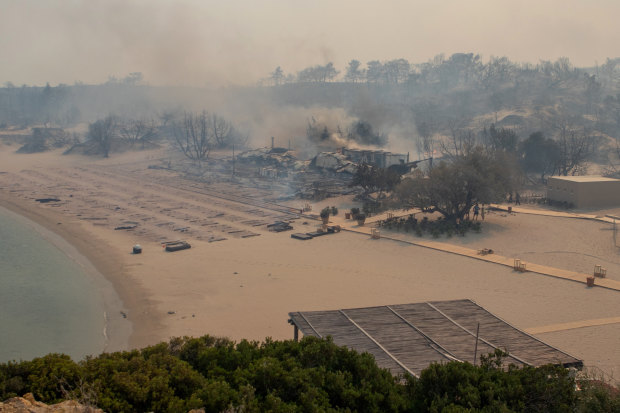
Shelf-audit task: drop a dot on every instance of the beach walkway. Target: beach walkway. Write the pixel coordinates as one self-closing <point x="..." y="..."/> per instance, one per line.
<point x="367" y="229"/>
<point x="548" y="213"/>
<point x="575" y="324"/>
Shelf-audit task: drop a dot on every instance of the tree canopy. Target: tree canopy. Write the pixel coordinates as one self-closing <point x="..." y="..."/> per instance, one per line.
<point x="453" y="186"/>
<point x="102" y="132"/>
<point x="539" y="154"/>
<point x="373" y="179"/>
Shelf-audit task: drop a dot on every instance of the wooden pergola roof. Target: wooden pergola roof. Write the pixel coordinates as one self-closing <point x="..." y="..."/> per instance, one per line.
<point x="409" y="337"/>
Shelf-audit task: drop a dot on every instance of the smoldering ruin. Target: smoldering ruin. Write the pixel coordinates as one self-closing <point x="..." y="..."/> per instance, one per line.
<point x="309" y="135"/>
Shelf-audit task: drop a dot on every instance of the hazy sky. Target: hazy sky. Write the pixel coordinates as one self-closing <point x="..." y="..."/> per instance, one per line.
<point x="209" y="42"/>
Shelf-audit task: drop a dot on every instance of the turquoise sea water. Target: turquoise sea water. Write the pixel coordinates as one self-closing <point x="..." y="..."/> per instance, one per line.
<point x="48" y="301"/>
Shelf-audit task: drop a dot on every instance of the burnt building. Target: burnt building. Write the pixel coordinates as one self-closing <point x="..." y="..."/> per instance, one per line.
<point x="379" y="158"/>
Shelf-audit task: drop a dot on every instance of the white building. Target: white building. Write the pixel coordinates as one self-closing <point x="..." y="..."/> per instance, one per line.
<point x="584" y="191"/>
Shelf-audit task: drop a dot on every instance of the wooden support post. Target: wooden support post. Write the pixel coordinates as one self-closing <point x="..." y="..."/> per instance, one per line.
<point x="476" y="347"/>
<point x="295" y="333"/>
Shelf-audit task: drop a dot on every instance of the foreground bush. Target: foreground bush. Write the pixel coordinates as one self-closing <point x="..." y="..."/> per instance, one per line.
<point x="285" y="376"/>
<point x="213" y="373"/>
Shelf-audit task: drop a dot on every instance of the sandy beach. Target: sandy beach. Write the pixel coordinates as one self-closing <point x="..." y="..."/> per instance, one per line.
<point x="240" y="280"/>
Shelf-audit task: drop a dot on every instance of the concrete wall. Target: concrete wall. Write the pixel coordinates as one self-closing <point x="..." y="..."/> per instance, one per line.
<point x="585" y="192"/>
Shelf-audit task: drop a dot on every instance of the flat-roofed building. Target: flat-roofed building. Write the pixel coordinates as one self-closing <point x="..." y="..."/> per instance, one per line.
<point x="379" y="158"/>
<point x="584" y="191"/>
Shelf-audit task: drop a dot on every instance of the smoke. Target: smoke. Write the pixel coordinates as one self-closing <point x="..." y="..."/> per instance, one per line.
<point x="289" y="125"/>
<point x="210" y="42"/>
<point x="213" y="45"/>
<point x="396" y="121"/>
<point x="181" y="43"/>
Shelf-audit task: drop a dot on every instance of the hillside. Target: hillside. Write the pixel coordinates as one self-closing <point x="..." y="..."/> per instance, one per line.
<point x="417" y="106"/>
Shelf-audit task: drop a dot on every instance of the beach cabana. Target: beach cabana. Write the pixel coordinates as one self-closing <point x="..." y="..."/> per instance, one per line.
<point x="409" y="337"/>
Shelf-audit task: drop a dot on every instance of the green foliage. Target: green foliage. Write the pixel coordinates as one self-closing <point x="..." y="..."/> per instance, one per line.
<point x="41" y="376"/>
<point x="452" y="188"/>
<point x="463" y="387"/>
<point x="325" y="212"/>
<point x="286" y="376"/>
<point x="214" y="373"/>
<point x="373" y="179"/>
<point x="539" y="154"/>
<point x="435" y="228"/>
<point x="596" y="396"/>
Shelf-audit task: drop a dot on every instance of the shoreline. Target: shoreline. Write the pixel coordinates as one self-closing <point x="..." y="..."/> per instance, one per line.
<point x="99" y="260"/>
<point x="244" y="286"/>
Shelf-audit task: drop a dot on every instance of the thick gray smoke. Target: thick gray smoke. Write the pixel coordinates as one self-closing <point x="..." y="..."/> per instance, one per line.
<point x="219" y="43"/>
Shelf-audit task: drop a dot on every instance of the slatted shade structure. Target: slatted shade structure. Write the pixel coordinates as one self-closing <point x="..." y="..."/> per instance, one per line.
<point x="409" y="337"/>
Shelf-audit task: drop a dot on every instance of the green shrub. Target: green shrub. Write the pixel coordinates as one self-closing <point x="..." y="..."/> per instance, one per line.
<point x="325" y="212"/>
<point x="311" y="375"/>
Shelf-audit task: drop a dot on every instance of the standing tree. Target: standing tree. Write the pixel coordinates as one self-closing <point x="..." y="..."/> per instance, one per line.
<point x="452" y="188"/>
<point x="373" y="179"/>
<point x="318" y="74"/>
<point x="462" y="139"/>
<point x="102" y="132"/>
<point x="192" y="136"/>
<point x="136" y="131"/>
<point x="354" y="73"/>
<point x="539" y="155"/>
<point x="221" y="129"/>
<point x="611" y="111"/>
<point x="329" y="72"/>
<point x="375" y="72"/>
<point x="426" y="142"/>
<point x="224" y="133"/>
<point x="277" y="76"/>
<point x="575" y="149"/>
<point x="397" y="71"/>
<point x="426" y="120"/>
<point x="166" y="117"/>
<point x="500" y="139"/>
<point x="592" y="91"/>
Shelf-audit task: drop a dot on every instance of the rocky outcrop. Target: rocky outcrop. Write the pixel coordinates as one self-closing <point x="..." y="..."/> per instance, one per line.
<point x="28" y="404"/>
